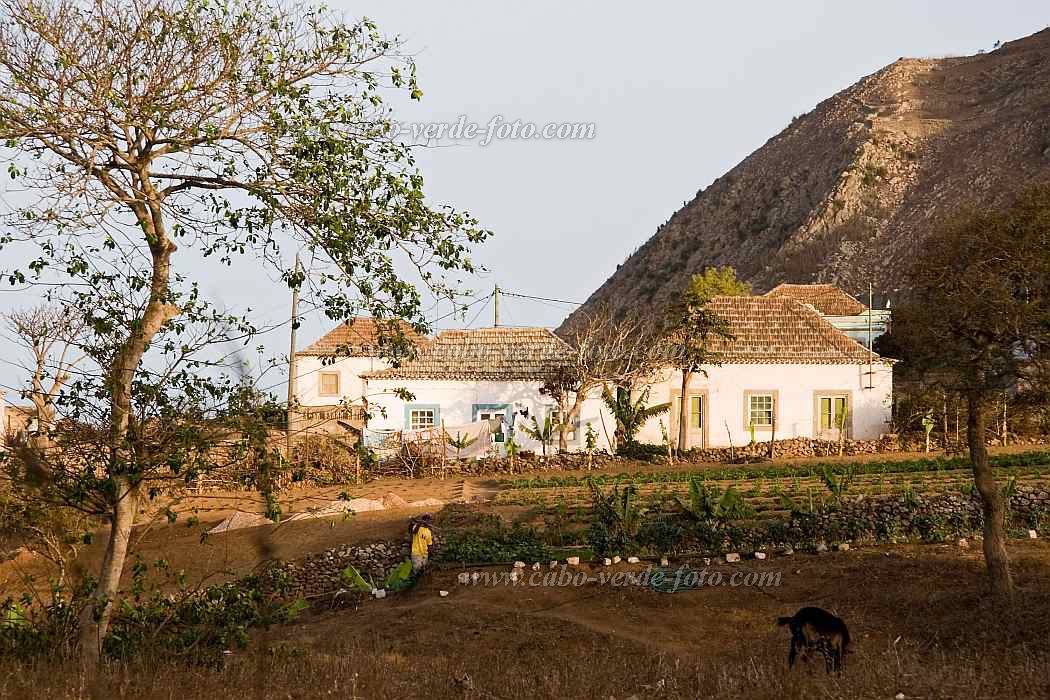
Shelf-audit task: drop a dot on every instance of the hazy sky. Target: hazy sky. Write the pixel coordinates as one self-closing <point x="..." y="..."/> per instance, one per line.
<point x="678" y="93"/>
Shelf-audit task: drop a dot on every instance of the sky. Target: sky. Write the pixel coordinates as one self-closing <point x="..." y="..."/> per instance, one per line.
<point x="677" y="93"/>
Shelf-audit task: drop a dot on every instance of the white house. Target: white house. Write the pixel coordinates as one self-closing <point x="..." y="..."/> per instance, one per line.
<point x="785" y="370"/>
<point x="464" y="376"/>
<point x="331" y="394"/>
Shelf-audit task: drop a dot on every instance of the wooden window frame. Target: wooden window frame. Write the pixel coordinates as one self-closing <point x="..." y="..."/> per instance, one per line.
<point x="833" y="394"/>
<point x="338" y="384"/>
<point x="775" y="394"/>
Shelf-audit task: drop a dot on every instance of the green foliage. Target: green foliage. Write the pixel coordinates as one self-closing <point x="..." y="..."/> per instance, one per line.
<point x="615" y="519"/>
<point x="711" y="505"/>
<point x="356" y="581"/>
<point x="713" y="282"/>
<point x="544" y="433"/>
<point x="1020" y="460"/>
<point x="400" y="577"/>
<point x="496" y="543"/>
<point x="838" y="483"/>
<point x="630" y="414"/>
<point x="461" y="442"/>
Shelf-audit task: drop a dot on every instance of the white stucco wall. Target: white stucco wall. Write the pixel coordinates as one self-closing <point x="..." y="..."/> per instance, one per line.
<point x="456" y="401"/>
<point x="351" y="386"/>
<point x="795" y="387"/>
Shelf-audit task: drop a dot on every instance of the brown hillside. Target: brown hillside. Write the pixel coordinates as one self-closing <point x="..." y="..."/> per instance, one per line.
<point x="846" y="192"/>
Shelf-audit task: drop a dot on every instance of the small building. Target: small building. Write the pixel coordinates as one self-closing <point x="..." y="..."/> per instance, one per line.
<point x="331" y="393"/>
<point x="466" y="376"/>
<point x="839" y="309"/>
<point x="785" y="372"/>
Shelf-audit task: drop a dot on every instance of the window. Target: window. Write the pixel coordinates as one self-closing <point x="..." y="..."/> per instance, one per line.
<point x="696" y="411"/>
<point x="760" y="410"/>
<point x="329" y="384"/>
<point x="421" y="418"/>
<point x="834" y="412"/>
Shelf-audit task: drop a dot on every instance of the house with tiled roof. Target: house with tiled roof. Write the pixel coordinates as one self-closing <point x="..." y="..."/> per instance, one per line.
<point x="486" y="374"/>
<point x="329" y="387"/>
<point x="841" y="310"/>
<point x="783" y="372"/>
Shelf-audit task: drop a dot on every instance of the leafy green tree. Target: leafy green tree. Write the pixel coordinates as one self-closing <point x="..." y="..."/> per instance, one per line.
<point x="229" y="128"/>
<point x="715" y="282"/>
<point x="974" y="321"/>
<point x="688" y="330"/>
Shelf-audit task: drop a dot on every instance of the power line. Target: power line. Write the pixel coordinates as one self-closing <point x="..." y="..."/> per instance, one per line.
<point x="536" y="298"/>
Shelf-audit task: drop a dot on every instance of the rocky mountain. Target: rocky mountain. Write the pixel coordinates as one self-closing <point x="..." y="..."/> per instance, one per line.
<point x="846" y="193"/>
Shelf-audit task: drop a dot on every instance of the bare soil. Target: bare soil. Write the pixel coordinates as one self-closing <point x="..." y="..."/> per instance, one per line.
<point x="920" y="624"/>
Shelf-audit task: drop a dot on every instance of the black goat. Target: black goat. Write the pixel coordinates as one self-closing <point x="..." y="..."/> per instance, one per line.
<point x="815" y="629"/>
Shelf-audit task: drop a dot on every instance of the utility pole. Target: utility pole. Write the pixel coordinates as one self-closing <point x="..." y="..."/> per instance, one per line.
<point x="291" y="360"/>
<point x="495" y="305"/>
<point x="871" y="349"/>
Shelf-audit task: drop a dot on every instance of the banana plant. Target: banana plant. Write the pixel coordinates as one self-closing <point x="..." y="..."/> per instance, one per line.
<point x="544" y="434"/>
<point x="630" y="415"/>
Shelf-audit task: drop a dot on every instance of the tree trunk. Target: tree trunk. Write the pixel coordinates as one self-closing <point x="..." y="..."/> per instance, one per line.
<point x="683" y="414"/>
<point x="94" y="618"/>
<point x="995" y="556"/>
<point x="568" y="418"/>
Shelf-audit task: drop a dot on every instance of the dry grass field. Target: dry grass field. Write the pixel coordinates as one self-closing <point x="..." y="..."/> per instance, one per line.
<point x="920" y="624"/>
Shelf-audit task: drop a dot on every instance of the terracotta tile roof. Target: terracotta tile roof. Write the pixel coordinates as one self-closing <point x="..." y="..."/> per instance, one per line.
<point x="825" y="298"/>
<point x="484" y="354"/>
<point x="359" y="338"/>
<point x="770" y="329"/>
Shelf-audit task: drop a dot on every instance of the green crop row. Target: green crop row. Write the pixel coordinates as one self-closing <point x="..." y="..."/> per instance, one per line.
<point x="1017" y="461"/>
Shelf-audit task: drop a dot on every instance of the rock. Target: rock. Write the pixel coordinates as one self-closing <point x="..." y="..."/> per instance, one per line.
<point x="707" y="561"/>
<point x="822" y="547"/>
<point x="732" y="558"/>
<point x="239" y="521"/>
<point x="664" y="562"/>
<point x="573" y="561"/>
<point x="515" y="575"/>
<point x="898" y="696"/>
<point x="787" y="552"/>
<point x="963" y="544"/>
<point x="536" y="566"/>
<point x="616" y="560"/>
<point x="443" y="594"/>
<point x="519" y="565"/>
<point x="475" y="577"/>
<point x="606" y="562"/>
<point x="463" y="578"/>
<point x="633" y="560"/>
<point x="760" y="555"/>
<point x="427" y="503"/>
<point x="842" y="546"/>
<point x="554" y="564"/>
<point x="392" y="500"/>
<point x="1032" y="534"/>
<point x="379" y="593"/>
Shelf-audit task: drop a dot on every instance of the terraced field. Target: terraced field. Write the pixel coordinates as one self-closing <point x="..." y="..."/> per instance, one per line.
<point x="765" y="488"/>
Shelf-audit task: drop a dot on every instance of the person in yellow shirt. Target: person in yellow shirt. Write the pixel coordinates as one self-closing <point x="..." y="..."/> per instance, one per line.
<point x="422" y="539"/>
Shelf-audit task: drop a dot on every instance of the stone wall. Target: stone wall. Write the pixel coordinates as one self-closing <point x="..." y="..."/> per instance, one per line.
<point x="322" y="572"/>
<point x="902" y="517"/>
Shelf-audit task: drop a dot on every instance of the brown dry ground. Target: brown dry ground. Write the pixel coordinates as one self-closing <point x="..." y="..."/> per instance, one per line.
<point x="602" y="642"/>
<point x="590" y="641"/>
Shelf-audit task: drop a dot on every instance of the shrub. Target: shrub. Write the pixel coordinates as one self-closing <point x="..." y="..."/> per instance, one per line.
<point x="495" y="544"/>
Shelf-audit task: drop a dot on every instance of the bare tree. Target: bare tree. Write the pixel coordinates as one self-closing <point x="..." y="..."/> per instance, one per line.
<point x="604" y="350"/>
<point x="230" y="127"/>
<point x="49" y="332"/>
